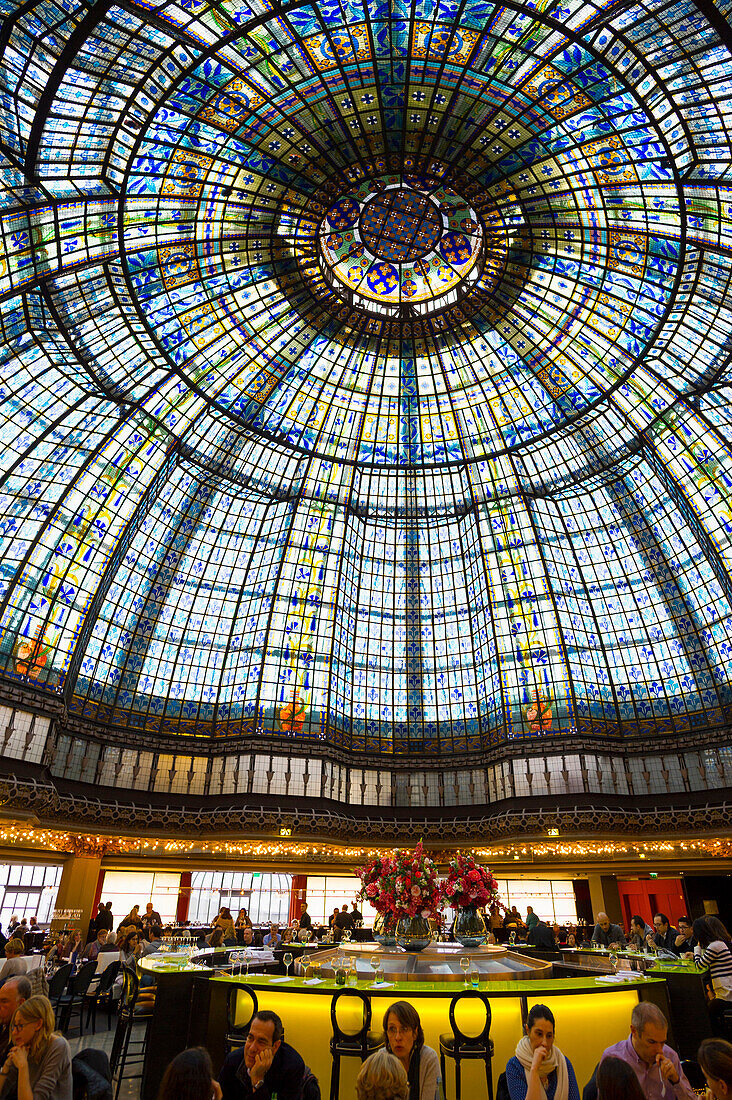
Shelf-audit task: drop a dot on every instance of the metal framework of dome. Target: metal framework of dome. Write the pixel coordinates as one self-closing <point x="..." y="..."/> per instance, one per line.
<point x="365" y="372"/>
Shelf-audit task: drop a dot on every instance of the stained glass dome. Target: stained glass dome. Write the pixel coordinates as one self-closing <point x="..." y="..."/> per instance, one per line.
<point x="365" y="370"/>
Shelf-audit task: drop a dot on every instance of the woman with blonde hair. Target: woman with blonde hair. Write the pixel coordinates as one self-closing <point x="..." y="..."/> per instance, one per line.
<point x="38" y="1065"/>
<point x="382" y="1077"/>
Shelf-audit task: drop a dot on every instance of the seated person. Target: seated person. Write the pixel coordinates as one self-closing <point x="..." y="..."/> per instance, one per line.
<point x="130" y="949"/>
<point x="404" y="1037"/>
<point x="639" y="933"/>
<point x="513" y="919"/>
<point x="288" y="935"/>
<point x="560" y="934"/>
<point x="665" y="934"/>
<point x="155" y="942"/>
<point x="617" y="1081"/>
<point x="686" y="940"/>
<point x="715" y="1059"/>
<point x="246" y="936"/>
<point x="303" y="935"/>
<point x="243" y="920"/>
<point x="382" y="1077"/>
<point x="98" y="944"/>
<point x="273" y="939"/>
<point x="190" y="1075"/>
<point x="12" y="994"/>
<point x="541" y="935"/>
<point x="216" y="939"/>
<point x="39" y="1062"/>
<point x="607" y="934"/>
<point x="265" y="1065"/>
<point x="538" y="1069"/>
<point x="656" y="1065"/>
<point x="14" y="961"/>
<point x="713" y="952"/>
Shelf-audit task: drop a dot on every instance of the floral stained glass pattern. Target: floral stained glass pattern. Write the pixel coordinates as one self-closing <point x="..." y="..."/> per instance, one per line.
<point x="364" y="369"/>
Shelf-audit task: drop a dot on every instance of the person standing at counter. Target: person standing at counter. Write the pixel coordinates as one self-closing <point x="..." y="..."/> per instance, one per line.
<point x="608" y="935"/>
<point x="656" y="1065"/>
<point x="306" y="920"/>
<point x="538" y="1069"/>
<point x="531" y="918"/>
<point x="404" y="1037"/>
<point x="264" y="1066"/>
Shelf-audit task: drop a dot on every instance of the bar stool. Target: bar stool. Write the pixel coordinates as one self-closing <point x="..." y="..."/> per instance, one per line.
<point x="236" y="1033"/>
<point x="132" y="1011"/>
<point x="462" y="1047"/>
<point x="350" y="1044"/>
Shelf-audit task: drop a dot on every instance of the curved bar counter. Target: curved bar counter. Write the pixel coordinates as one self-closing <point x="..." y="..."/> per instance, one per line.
<point x="591" y="1012"/>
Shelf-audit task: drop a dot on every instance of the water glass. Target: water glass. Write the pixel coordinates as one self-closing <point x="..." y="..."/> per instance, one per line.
<point x="474" y="977"/>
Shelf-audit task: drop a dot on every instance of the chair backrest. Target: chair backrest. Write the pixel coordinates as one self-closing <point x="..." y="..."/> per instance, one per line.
<point x="107" y="978"/>
<point x="502" y="1092"/>
<point x="242" y="1007"/>
<point x="130" y="987"/>
<point x="57" y="984"/>
<point x="358" y="1034"/>
<point x="106" y="959"/>
<point x="461" y="1039"/>
<point x="84" y="978"/>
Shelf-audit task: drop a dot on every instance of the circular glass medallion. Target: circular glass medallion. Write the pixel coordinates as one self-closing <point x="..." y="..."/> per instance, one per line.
<point x="393" y="242"/>
<point x="400" y="224"/>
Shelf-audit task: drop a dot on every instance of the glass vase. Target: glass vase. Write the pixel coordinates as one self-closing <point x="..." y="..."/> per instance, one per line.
<point x="469" y="928"/>
<point x="413" y="933"/>
<point x="384" y="928"/>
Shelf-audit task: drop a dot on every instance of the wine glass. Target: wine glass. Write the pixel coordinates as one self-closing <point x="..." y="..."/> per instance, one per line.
<point x="465" y="967"/>
<point x="374" y="964"/>
<point x="287" y="960"/>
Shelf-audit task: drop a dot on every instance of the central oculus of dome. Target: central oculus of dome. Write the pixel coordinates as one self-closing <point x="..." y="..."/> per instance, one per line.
<point x="400" y="224"/>
<point x="398" y="242"/>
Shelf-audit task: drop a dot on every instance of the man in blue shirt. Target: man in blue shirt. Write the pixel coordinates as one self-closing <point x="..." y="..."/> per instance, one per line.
<point x="274" y="939"/>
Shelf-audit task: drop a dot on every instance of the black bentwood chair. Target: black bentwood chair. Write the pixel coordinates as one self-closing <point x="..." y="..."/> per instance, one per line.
<point x="463" y="1047"/>
<point x="357" y="1041"/>
<point x="241" y="1008"/>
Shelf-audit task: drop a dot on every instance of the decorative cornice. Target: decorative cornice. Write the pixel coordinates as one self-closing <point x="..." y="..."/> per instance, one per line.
<point x="246" y="818"/>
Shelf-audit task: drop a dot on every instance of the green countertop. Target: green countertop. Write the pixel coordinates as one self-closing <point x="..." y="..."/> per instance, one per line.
<point x="445" y="989"/>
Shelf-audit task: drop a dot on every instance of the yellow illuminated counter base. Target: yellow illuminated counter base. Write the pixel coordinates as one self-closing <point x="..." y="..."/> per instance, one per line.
<point x="591" y="1014"/>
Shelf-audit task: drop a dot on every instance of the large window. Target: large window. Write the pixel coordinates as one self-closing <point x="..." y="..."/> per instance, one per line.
<point x="324" y="893"/>
<point x="28" y="889"/>
<point x="552" y="900"/>
<point x="266" y="897"/>
<point x="127" y="888"/>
